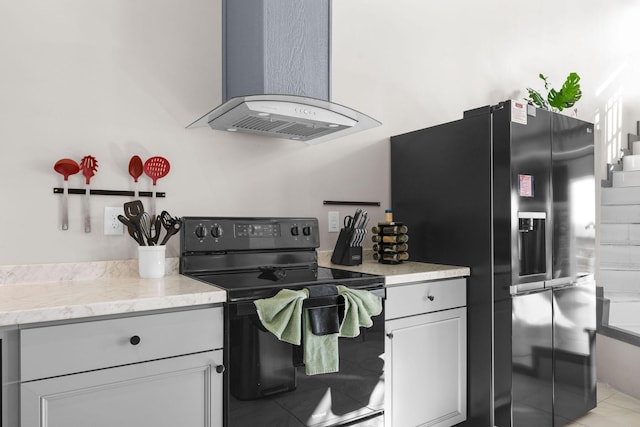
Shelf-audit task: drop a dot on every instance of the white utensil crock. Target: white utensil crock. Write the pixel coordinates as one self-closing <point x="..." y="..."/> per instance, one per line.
<point x="151" y="261"/>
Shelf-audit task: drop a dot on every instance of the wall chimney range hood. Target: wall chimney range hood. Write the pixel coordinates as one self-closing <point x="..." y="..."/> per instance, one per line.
<point x="276" y="73"/>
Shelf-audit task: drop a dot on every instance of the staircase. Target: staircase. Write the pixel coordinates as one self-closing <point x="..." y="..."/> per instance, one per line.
<point x="620" y="240"/>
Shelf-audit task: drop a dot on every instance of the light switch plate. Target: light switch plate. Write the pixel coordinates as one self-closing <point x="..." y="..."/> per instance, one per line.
<point x="334" y="221"/>
<point x="112" y="226"/>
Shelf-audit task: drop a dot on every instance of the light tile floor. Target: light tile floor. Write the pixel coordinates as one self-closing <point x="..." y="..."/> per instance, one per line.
<point x="615" y="409"/>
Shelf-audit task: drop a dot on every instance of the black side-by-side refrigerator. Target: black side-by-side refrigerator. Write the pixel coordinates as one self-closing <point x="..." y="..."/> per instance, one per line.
<point x="509" y="191"/>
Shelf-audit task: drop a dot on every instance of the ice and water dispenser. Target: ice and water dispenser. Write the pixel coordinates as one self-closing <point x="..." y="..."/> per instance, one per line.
<point x="531" y="243"/>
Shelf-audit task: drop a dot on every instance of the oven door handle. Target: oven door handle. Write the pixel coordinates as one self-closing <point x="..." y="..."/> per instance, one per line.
<point x="248" y="307"/>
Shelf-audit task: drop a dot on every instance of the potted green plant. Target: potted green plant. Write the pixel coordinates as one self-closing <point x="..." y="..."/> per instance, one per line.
<point x="557" y="100"/>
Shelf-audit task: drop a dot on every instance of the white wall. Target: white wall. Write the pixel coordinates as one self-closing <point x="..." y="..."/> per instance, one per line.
<point x="114" y="78"/>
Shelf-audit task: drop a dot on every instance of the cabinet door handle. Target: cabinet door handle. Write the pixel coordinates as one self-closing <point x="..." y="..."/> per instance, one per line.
<point x="134" y="340"/>
<point x="220" y="369"/>
<point x="390" y="335"/>
<point x="429" y="297"/>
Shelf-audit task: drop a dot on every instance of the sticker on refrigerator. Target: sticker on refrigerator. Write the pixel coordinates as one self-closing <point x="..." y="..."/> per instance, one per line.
<point x="519" y="112"/>
<point x="525" y="185"/>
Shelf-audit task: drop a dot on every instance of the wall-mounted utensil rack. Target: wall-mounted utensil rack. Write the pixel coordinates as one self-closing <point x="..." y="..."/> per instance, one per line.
<point x="59" y="190"/>
<point x="350" y="203"/>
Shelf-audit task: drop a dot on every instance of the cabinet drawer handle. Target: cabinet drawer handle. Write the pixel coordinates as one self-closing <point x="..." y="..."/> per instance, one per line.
<point x="220" y="369"/>
<point x="390" y="335"/>
<point x="134" y="340"/>
<point x="429" y="297"/>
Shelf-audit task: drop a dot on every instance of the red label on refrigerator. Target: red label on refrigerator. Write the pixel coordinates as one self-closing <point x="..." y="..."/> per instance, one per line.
<point x="525" y="185"/>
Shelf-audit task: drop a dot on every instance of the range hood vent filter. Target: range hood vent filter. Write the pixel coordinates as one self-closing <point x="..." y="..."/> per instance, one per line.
<point x="259" y="124"/>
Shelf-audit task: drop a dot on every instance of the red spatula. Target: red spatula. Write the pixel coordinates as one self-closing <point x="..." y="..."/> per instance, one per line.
<point x="89" y="165"/>
<point x="156" y="167"/>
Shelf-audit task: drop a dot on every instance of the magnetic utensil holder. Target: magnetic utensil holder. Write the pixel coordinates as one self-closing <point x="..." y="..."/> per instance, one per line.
<point x="391" y="245"/>
<point x="344" y="253"/>
<point x="59" y="190"/>
<point x="349" y="203"/>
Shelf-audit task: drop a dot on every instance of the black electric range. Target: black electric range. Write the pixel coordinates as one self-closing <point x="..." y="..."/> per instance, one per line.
<point x="254" y="258"/>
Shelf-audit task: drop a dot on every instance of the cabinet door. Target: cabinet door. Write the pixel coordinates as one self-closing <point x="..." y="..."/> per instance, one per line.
<point x="427" y="367"/>
<point x="182" y="391"/>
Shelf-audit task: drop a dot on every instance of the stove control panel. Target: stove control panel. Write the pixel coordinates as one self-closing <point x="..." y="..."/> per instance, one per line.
<point x="211" y="234"/>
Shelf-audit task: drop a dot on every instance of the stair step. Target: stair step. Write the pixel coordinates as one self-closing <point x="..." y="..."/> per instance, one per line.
<point x="624" y="312"/>
<point x="620" y="196"/>
<point x="620" y="214"/>
<point x="620" y="257"/>
<point x="619" y="280"/>
<point x="620" y="234"/>
<point x="626" y="179"/>
<point x="632" y="163"/>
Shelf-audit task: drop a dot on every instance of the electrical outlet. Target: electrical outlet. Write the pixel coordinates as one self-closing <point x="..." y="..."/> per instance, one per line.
<point x="334" y="221"/>
<point x="112" y="226"/>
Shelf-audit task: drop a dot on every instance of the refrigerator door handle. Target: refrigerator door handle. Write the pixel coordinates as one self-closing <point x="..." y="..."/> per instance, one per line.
<point x="561" y="282"/>
<point x="525" y="288"/>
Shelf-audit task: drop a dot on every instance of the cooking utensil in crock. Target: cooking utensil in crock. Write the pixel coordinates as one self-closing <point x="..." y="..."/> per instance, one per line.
<point x="134" y="211"/>
<point x="132" y="229"/>
<point x="66" y="168"/>
<point x="88" y="165"/>
<point x="145" y="226"/>
<point x="175" y="227"/>
<point x="166" y="219"/>
<point x="156" y="167"/>
<point x="135" y="170"/>
<point x="157" y="228"/>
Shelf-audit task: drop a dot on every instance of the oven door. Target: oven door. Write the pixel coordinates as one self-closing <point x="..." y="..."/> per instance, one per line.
<point x="267" y="384"/>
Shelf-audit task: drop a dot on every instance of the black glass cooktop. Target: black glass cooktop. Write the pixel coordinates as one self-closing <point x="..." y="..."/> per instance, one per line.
<point x="266" y="282"/>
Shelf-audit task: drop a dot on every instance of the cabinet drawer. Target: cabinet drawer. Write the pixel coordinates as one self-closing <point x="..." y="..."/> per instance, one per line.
<point x="63" y="349"/>
<point x="425" y="297"/>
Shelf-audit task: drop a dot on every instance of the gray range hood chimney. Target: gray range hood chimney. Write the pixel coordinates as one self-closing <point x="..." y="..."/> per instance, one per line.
<point x="276" y="73"/>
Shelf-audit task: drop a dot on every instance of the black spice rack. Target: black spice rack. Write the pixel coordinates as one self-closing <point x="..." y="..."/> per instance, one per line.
<point x="58" y="190"/>
<point x="390" y="242"/>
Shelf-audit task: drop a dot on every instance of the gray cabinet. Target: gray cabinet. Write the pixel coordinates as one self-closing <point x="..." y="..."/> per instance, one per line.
<point x="9" y="380"/>
<point x="426" y="351"/>
<point x="152" y="370"/>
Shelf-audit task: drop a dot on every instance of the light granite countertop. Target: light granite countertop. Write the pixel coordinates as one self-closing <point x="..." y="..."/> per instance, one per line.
<point x="396" y="274"/>
<point x="50" y="292"/>
<point x="88" y="293"/>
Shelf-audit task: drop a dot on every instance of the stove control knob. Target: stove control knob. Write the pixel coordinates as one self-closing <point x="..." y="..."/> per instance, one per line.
<point x="306" y="230"/>
<point x="201" y="232"/>
<point x="216" y="231"/>
<point x="295" y="230"/>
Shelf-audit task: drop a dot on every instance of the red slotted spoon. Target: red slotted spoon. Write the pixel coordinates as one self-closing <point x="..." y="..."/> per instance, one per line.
<point x="156" y="167"/>
<point x="88" y="165"/>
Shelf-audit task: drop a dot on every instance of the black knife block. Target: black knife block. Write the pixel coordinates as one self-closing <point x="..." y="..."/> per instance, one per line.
<point x="344" y="253"/>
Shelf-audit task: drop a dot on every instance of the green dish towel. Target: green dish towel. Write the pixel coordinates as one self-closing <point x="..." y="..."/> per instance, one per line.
<point x="320" y="351"/>
<point x="282" y="316"/>
<point x="359" y="307"/>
